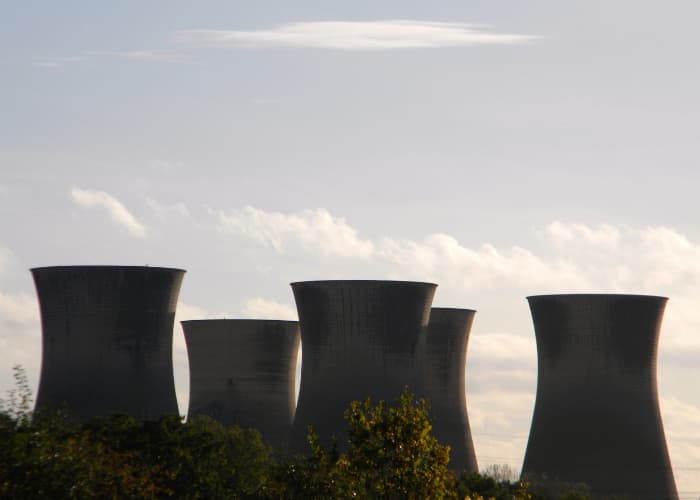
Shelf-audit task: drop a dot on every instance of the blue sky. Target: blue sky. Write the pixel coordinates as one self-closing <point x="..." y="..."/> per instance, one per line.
<point x="499" y="148"/>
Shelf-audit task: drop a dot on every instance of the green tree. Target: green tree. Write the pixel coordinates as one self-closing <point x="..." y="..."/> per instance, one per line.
<point x="390" y="454"/>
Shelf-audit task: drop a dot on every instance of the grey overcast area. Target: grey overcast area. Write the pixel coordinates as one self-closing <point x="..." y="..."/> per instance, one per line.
<point x="499" y="148"/>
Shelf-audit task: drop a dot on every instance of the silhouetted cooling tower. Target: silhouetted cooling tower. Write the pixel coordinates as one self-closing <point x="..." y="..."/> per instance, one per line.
<point x="443" y="383"/>
<point x="107" y="340"/>
<point x="242" y="373"/>
<point x="359" y="339"/>
<point x="596" y="418"/>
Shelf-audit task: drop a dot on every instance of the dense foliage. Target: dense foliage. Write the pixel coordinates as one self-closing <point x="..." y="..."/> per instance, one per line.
<point x="390" y="454"/>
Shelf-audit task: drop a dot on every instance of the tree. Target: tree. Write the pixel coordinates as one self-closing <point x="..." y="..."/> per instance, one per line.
<point x="392" y="452"/>
<point x="390" y="455"/>
<point x="18" y="405"/>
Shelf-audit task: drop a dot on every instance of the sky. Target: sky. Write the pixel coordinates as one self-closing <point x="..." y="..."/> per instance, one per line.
<point x="498" y="148"/>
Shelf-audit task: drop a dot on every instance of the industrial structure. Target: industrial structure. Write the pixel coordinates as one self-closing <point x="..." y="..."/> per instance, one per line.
<point x="359" y="339"/>
<point x="107" y="340"/>
<point x="443" y="383"/>
<point x="596" y="419"/>
<point x="242" y="373"/>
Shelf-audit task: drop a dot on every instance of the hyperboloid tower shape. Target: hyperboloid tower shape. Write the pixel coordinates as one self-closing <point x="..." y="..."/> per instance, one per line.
<point x="443" y="383"/>
<point x="359" y="339"/>
<point x="242" y="373"/>
<point x="596" y="418"/>
<point x="107" y="340"/>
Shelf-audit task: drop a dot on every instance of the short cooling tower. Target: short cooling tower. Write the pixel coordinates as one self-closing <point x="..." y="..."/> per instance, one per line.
<point x="107" y="340"/>
<point x="444" y="359"/>
<point x="359" y="339"/>
<point x="242" y="373"/>
<point x="596" y="418"/>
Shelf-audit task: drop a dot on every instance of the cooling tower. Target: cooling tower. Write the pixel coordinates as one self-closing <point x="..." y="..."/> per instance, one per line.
<point x="445" y="357"/>
<point x="107" y="340"/>
<point x="596" y="418"/>
<point x="359" y="339"/>
<point x="242" y="373"/>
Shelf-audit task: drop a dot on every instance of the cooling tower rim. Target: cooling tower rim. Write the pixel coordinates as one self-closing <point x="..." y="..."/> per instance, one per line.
<point x="104" y="268"/>
<point x="240" y="321"/>
<point x="361" y="282"/>
<point x="462" y="309"/>
<point x="596" y="295"/>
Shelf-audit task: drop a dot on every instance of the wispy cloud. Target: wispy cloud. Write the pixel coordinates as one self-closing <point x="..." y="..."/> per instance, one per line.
<point x="165" y="165"/>
<point x="353" y="35"/>
<point x="146" y="55"/>
<point x="57" y="62"/>
<point x="120" y="216"/>
<point x="162" y="210"/>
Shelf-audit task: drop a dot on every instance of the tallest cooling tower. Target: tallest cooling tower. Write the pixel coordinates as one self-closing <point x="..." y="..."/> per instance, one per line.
<point x="107" y="340"/>
<point x="596" y="418"/>
<point x="359" y="339"/>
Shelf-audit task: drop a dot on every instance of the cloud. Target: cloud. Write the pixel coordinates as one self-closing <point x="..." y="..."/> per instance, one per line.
<point x="503" y="350"/>
<point x="117" y="211"/>
<point x="260" y="308"/>
<point x="352" y="35"/>
<point x="162" y="210"/>
<point x="682" y="426"/>
<point x="314" y="230"/>
<point x="144" y="55"/>
<point x="604" y="236"/>
<point x="440" y="257"/>
<point x="165" y="166"/>
<point x="150" y="55"/>
<point x="577" y="257"/>
<point x="58" y="62"/>
<point x="20" y="337"/>
<point x="7" y="258"/>
<point x="18" y="309"/>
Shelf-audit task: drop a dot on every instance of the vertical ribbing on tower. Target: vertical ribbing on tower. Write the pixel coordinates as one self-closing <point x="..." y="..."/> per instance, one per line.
<point x="359" y="339"/>
<point x="443" y="384"/>
<point x="242" y="372"/>
<point x="107" y="340"/>
<point x="596" y="419"/>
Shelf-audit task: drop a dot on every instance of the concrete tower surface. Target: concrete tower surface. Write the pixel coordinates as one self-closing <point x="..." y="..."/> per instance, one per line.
<point x="242" y="373"/>
<point x="596" y="418"/>
<point x="359" y="339"/>
<point x="107" y="340"/>
<point x="443" y="384"/>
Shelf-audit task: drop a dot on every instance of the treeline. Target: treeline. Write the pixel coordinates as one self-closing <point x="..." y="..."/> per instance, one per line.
<point x="390" y="454"/>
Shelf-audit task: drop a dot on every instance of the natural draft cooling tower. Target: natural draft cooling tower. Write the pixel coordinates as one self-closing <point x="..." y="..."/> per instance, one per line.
<point x="242" y="373"/>
<point x="443" y="384"/>
<point x="107" y="340"/>
<point x="596" y="418"/>
<point x="359" y="339"/>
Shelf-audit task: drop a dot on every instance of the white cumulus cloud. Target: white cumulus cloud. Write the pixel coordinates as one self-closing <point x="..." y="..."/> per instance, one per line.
<point x="315" y="230"/>
<point x="441" y="258"/>
<point x="260" y="308"/>
<point x="120" y="216"/>
<point x="353" y="35"/>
